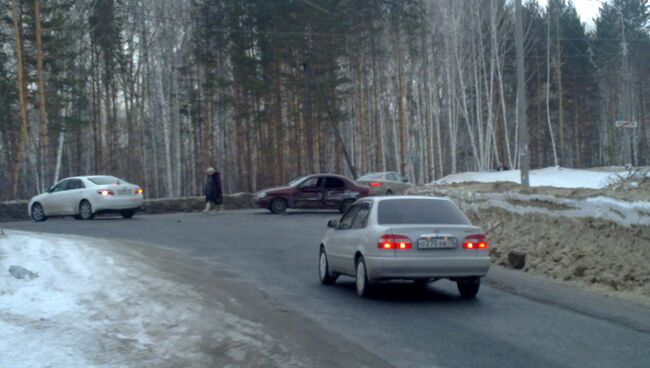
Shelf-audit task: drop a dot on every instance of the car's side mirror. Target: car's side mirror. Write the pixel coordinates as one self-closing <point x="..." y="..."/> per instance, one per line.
<point x="333" y="224"/>
<point x="49" y="190"/>
<point x="405" y="180"/>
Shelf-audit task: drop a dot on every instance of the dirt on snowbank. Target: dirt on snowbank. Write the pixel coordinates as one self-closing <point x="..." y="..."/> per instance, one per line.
<point x="563" y="234"/>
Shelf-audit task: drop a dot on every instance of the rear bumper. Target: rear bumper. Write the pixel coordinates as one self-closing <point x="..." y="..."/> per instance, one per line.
<point x="110" y="204"/>
<point x="383" y="268"/>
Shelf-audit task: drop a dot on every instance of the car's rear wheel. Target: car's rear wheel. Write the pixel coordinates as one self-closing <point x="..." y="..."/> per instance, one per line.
<point x="364" y="288"/>
<point x="389" y="192"/>
<point x="86" y="210"/>
<point x="326" y="277"/>
<point x="345" y="205"/>
<point x="38" y="213"/>
<point x="278" y="206"/>
<point x="469" y="288"/>
<point x="127" y="214"/>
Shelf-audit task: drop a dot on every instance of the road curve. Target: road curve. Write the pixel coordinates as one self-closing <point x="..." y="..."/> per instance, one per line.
<point x="405" y="326"/>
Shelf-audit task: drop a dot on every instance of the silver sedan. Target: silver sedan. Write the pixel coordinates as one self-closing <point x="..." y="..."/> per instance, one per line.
<point x="85" y="196"/>
<point x="385" y="183"/>
<point x="414" y="238"/>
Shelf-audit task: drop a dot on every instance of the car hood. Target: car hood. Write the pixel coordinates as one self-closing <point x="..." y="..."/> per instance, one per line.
<point x="278" y="190"/>
<point x="38" y="197"/>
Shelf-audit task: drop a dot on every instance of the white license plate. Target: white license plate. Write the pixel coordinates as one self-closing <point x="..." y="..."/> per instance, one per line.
<point x="436" y="243"/>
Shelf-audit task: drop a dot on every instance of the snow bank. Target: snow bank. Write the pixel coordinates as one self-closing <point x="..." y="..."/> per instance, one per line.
<point x="551" y="176"/>
<point x="89" y="309"/>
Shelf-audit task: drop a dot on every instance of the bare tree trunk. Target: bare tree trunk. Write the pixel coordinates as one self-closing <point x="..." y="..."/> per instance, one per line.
<point x="22" y="96"/>
<point x="548" y="90"/>
<point x="59" y="156"/>
<point x="42" y="142"/>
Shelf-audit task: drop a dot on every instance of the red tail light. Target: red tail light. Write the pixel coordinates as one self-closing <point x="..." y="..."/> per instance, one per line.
<point x="476" y="241"/>
<point x="376" y="184"/>
<point x="105" y="192"/>
<point x="394" y="242"/>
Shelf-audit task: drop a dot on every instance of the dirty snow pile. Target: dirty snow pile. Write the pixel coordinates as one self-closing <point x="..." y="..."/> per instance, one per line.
<point x="84" y="307"/>
<point x="551" y="177"/>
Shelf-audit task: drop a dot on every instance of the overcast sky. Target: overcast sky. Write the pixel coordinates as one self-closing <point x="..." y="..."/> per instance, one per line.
<point x="587" y="10"/>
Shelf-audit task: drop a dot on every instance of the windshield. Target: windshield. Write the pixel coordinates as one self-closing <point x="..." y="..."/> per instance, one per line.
<point x="420" y="211"/>
<point x="105" y="180"/>
<point x="296" y="181"/>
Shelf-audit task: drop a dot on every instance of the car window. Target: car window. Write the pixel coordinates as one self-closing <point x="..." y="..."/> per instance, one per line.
<point x="393" y="177"/>
<point x="313" y="182"/>
<point x="334" y="183"/>
<point x="105" y="180"/>
<point x="61" y="186"/>
<point x="348" y="218"/>
<point x="420" y="211"/>
<point x="75" y="184"/>
<point x="361" y="219"/>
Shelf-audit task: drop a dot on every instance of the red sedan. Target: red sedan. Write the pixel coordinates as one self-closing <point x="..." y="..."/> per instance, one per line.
<point x="321" y="191"/>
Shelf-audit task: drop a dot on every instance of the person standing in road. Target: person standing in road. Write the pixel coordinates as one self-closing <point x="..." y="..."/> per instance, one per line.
<point x="212" y="191"/>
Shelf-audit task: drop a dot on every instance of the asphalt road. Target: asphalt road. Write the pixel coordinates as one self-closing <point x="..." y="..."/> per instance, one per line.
<point x="405" y="326"/>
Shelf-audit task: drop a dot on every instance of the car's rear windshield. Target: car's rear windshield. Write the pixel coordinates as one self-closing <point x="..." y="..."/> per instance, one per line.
<point x="105" y="180"/>
<point x="375" y="176"/>
<point x="419" y="211"/>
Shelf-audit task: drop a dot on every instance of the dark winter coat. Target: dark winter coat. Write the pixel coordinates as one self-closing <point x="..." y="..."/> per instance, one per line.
<point x="212" y="189"/>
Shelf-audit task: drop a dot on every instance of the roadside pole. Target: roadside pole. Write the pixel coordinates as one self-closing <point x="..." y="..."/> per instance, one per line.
<point x="524" y="156"/>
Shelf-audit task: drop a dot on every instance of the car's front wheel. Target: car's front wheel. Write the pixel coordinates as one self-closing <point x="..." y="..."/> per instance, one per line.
<point x="86" y="210"/>
<point x="364" y="288"/>
<point x="38" y="213"/>
<point x="469" y="288"/>
<point x="326" y="277"/>
<point x="278" y="206"/>
<point x="127" y="214"/>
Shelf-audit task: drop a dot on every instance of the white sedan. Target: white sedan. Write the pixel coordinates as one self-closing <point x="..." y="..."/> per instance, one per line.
<point x="85" y="196"/>
<point x="421" y="239"/>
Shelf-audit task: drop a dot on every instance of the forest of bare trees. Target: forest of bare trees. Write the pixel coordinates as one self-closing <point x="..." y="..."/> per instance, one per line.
<point x="154" y="91"/>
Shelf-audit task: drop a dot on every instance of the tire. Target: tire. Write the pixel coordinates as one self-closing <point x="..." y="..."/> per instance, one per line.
<point x="127" y="214"/>
<point x="278" y="206"/>
<point x="363" y="286"/>
<point x="345" y="205"/>
<point x="38" y="213"/>
<point x="389" y="192"/>
<point x="469" y="288"/>
<point x="86" y="210"/>
<point x="324" y="274"/>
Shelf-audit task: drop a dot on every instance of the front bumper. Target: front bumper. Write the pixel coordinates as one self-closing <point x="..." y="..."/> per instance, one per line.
<point x="263" y="202"/>
<point x="384" y="268"/>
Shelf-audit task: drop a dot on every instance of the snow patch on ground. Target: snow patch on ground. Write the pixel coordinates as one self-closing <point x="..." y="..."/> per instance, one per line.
<point x="89" y="309"/>
<point x="551" y="177"/>
<point x="604" y="208"/>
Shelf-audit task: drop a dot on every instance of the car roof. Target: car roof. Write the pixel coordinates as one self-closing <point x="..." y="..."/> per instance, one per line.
<point x="333" y="175"/>
<point x="392" y="197"/>
<point x="86" y="177"/>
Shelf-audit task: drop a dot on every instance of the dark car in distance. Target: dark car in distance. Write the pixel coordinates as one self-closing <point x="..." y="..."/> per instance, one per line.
<point x="319" y="191"/>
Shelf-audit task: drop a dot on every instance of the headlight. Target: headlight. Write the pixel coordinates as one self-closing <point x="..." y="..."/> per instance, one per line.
<point x="261" y="194"/>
